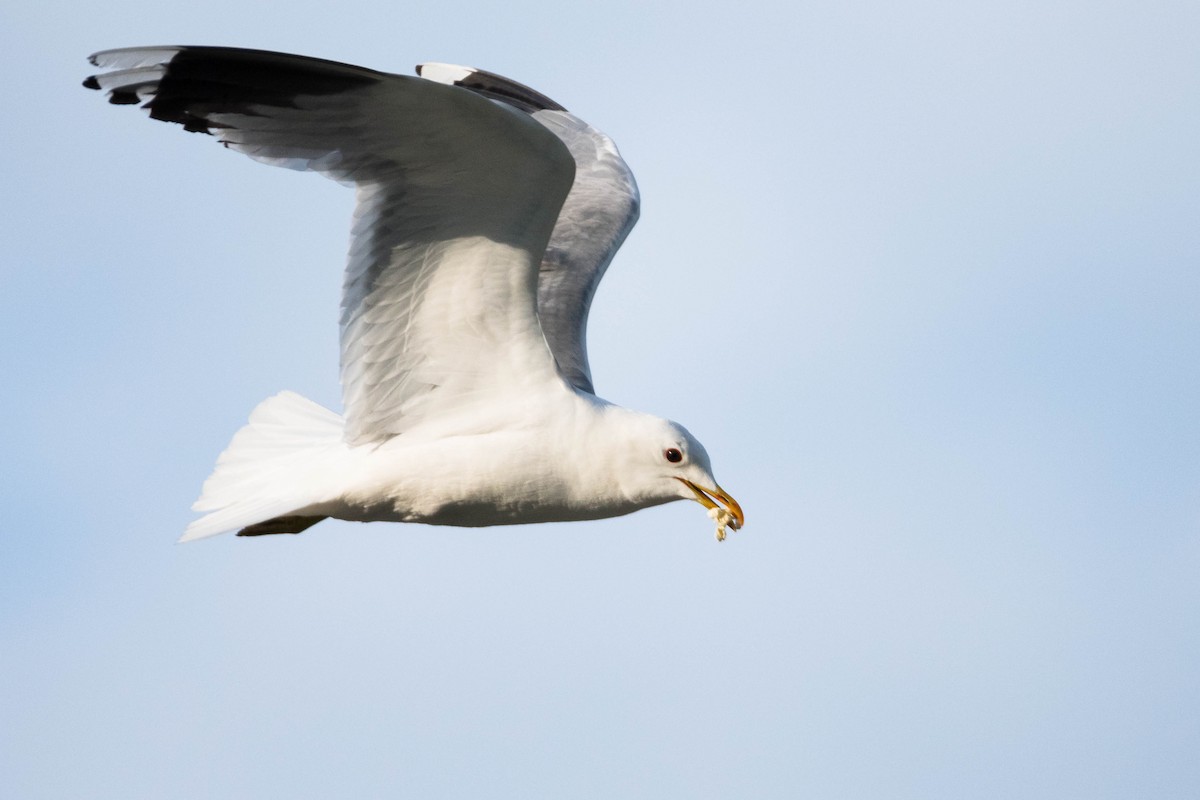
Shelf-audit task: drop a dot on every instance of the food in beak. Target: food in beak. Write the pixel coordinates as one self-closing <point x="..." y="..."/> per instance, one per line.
<point x="722" y="508"/>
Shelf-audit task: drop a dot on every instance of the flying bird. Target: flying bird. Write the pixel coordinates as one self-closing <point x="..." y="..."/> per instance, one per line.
<point x="486" y="215"/>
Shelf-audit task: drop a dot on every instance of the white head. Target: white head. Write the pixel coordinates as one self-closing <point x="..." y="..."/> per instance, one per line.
<point x="658" y="461"/>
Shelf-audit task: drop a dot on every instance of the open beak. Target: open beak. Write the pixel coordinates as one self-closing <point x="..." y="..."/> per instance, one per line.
<point x="716" y="498"/>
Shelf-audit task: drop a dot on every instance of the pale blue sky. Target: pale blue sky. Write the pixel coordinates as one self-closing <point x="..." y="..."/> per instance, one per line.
<point x="924" y="279"/>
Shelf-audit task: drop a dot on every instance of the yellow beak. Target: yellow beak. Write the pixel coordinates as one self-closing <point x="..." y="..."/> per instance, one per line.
<point x="716" y="498"/>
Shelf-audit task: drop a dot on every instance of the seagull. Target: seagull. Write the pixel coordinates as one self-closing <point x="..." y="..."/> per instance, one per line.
<point x="486" y="215"/>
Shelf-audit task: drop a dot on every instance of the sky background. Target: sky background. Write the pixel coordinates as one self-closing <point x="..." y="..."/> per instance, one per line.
<point x="923" y="277"/>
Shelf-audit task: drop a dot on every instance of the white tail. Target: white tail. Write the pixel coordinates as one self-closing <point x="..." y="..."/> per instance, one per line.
<point x="276" y="465"/>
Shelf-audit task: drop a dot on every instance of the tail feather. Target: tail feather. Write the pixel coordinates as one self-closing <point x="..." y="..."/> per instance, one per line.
<point x="272" y="468"/>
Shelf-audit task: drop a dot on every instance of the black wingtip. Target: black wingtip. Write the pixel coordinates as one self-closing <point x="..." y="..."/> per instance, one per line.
<point x="91" y="83"/>
<point x="498" y="87"/>
<point x="123" y="97"/>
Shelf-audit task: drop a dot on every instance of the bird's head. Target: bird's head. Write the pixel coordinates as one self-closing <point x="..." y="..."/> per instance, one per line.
<point x="664" y="462"/>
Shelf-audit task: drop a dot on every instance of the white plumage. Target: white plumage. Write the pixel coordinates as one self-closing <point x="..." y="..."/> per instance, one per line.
<point x="486" y="216"/>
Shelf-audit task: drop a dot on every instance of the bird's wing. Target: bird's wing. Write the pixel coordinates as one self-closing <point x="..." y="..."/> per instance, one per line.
<point x="598" y="214"/>
<point x="457" y="198"/>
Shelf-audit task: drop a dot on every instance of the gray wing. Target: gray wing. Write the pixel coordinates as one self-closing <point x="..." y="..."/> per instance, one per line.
<point x="600" y="210"/>
<point x="457" y="199"/>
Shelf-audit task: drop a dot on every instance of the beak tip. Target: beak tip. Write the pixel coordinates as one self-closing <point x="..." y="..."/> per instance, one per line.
<point x="718" y="498"/>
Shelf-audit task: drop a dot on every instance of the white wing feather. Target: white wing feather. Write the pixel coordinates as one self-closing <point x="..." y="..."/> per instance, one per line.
<point x="597" y="215"/>
<point x="457" y="199"/>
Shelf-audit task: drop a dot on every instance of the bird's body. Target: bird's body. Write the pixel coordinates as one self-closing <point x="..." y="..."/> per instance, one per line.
<point x="512" y="464"/>
<point x="486" y="216"/>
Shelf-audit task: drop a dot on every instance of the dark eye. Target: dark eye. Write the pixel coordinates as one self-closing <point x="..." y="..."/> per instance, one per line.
<point x="673" y="455"/>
